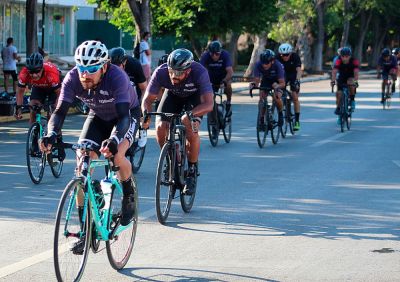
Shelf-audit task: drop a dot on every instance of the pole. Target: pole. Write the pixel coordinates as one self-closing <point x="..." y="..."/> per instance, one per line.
<point x="43" y="5"/>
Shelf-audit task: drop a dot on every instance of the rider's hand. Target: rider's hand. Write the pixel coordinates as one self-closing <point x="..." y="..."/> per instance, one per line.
<point x="46" y="143"/>
<point x="145" y="120"/>
<point x="252" y="85"/>
<point x="333" y="83"/>
<point x="18" y="112"/>
<point x="109" y="147"/>
<point x="194" y="121"/>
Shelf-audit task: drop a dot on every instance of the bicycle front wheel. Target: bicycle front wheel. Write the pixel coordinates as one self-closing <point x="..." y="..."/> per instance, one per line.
<point x="227" y="131"/>
<point x="119" y="248"/>
<point x="213" y="127"/>
<point x="262" y="127"/>
<point x="136" y="154"/>
<point x="35" y="159"/>
<point x="188" y="200"/>
<point x="285" y="125"/>
<point x="165" y="190"/>
<point x="69" y="230"/>
<point x="55" y="164"/>
<point x="275" y="129"/>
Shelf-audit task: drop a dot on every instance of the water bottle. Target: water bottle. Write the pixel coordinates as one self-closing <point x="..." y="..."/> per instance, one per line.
<point x="98" y="193"/>
<point x="106" y="189"/>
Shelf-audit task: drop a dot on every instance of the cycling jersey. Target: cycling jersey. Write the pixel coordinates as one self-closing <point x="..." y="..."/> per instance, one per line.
<point x="387" y="65"/>
<point x="346" y="70"/>
<point x="197" y="82"/>
<point x="271" y="75"/>
<point x="291" y="64"/>
<point x="113" y="88"/>
<point x="135" y="72"/>
<point x="50" y="77"/>
<point x="216" y="69"/>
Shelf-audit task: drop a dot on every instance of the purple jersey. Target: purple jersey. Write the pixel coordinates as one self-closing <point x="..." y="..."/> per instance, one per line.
<point x="387" y="65"/>
<point x="115" y="87"/>
<point x="216" y="69"/>
<point x="198" y="81"/>
<point x="274" y="73"/>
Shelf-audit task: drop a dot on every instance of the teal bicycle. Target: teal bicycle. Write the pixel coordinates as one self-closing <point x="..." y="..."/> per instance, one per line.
<point x="90" y="212"/>
<point x="35" y="159"/>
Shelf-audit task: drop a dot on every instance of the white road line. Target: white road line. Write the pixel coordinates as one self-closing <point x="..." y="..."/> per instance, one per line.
<point x="330" y="139"/>
<point x="15" y="267"/>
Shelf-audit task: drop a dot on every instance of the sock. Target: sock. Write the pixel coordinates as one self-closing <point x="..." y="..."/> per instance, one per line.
<point x="297" y="116"/>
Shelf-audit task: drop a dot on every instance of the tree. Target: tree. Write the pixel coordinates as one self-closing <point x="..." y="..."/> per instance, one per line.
<point x="31" y="27"/>
<point x="319" y="44"/>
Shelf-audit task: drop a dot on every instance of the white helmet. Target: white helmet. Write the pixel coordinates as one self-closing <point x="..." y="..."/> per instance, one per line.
<point x="91" y="53"/>
<point x="285" y="48"/>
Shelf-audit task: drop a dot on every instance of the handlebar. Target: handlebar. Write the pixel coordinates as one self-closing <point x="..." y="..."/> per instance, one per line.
<point x="260" y="88"/>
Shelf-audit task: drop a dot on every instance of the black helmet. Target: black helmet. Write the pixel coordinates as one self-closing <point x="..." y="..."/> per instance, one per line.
<point x="180" y="59"/>
<point x="267" y="56"/>
<point x="117" y="55"/>
<point x="34" y="62"/>
<point x="396" y="51"/>
<point x="163" y="59"/>
<point x="345" y="51"/>
<point x="215" y="47"/>
<point x="385" y="52"/>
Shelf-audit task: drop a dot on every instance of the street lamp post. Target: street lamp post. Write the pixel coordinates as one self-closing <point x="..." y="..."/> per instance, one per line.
<point x="43" y="17"/>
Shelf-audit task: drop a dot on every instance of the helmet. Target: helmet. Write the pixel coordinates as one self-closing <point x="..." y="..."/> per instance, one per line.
<point x="345" y="51"/>
<point x="117" y="55"/>
<point x="163" y="59"/>
<point x="338" y="50"/>
<point x="285" y="48"/>
<point x="267" y="56"/>
<point x="385" y="52"/>
<point x="396" y="51"/>
<point x="35" y="61"/>
<point x="91" y="53"/>
<point x="215" y="47"/>
<point x="180" y="59"/>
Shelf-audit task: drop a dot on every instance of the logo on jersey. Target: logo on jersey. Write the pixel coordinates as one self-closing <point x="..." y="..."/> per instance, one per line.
<point x="106" y="101"/>
<point x="104" y="92"/>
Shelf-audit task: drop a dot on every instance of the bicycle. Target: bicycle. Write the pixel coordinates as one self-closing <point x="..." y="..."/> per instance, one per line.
<point x="35" y="159"/>
<point x="387" y="95"/>
<point x="345" y="110"/>
<point x="172" y="168"/>
<point x="97" y="220"/>
<point x="217" y="119"/>
<point x="289" y="117"/>
<point x="269" y="120"/>
<point x="135" y="153"/>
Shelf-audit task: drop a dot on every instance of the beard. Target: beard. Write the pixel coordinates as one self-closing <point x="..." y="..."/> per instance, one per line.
<point x="87" y="83"/>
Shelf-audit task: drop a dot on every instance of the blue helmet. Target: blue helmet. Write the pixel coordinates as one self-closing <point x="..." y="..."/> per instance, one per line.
<point x="34" y="62"/>
<point x="180" y="59"/>
<point x="345" y="51"/>
<point x="215" y="47"/>
<point x="385" y="52"/>
<point x="267" y="56"/>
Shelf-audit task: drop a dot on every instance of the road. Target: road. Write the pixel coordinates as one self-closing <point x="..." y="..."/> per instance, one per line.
<point x="318" y="206"/>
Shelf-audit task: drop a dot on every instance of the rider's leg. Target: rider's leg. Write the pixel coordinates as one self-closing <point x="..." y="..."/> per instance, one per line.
<point x="228" y="92"/>
<point x="352" y="92"/>
<point x="393" y="73"/>
<point x="279" y="105"/>
<point x="338" y="99"/>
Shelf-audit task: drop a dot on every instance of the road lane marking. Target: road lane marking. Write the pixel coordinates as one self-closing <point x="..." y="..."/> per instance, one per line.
<point x="15" y="267"/>
<point x="330" y="139"/>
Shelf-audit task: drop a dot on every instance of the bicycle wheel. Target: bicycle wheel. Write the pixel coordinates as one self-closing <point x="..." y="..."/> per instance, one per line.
<point x="165" y="190"/>
<point x="35" y="159"/>
<point x="262" y="127"/>
<point x="119" y="248"/>
<point x="290" y="113"/>
<point x="55" y="164"/>
<point x="343" y="114"/>
<point x="188" y="200"/>
<point x="275" y="129"/>
<point x="213" y="127"/>
<point x="135" y="155"/>
<point x="284" y="128"/>
<point x="68" y="230"/>
<point x="227" y="130"/>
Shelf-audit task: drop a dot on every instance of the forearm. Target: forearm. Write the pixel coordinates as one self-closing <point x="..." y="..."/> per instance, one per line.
<point x="205" y="106"/>
<point x="229" y="74"/>
<point x="298" y="73"/>
<point x="57" y="118"/>
<point x="147" y="102"/>
<point x="20" y="96"/>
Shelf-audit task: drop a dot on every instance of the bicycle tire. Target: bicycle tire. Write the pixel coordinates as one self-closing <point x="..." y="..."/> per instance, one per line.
<point x="284" y="128"/>
<point x="135" y="155"/>
<point x="291" y="117"/>
<point x="35" y="159"/>
<point x="262" y="129"/>
<point x="343" y="113"/>
<point x="348" y="115"/>
<point x="275" y="129"/>
<point x="63" y="256"/>
<point x="119" y="248"/>
<point x="164" y="184"/>
<point x="188" y="200"/>
<point x="213" y="126"/>
<point x="94" y="242"/>
<point x="227" y="130"/>
<point x="55" y="166"/>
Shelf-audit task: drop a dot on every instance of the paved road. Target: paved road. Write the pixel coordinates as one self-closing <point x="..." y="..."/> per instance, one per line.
<point x="319" y="206"/>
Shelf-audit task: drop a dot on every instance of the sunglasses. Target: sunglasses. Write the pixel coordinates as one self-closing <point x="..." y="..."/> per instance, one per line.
<point x="216" y="53"/>
<point x="176" y="72"/>
<point x="35" y="71"/>
<point x="89" y="69"/>
<point x="285" y="55"/>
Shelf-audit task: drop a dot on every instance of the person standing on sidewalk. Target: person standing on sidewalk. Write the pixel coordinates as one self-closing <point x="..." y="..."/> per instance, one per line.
<point x="145" y="55"/>
<point x="9" y="55"/>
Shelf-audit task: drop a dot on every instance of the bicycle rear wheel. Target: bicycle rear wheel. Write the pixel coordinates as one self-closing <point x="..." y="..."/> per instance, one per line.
<point x="68" y="230"/>
<point x="165" y="190"/>
<point x="262" y="127"/>
<point x="290" y="113"/>
<point x="285" y="125"/>
<point x="135" y="155"/>
<point x="275" y="129"/>
<point x="35" y="159"/>
<point x="213" y="126"/>
<point x="227" y="130"/>
<point x="188" y="200"/>
<point x="55" y="164"/>
<point x="119" y="248"/>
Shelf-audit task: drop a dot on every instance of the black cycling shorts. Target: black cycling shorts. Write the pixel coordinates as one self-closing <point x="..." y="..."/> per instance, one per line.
<point x="13" y="74"/>
<point x="267" y="83"/>
<point x="290" y="80"/>
<point x="342" y="81"/>
<point x="171" y="103"/>
<point x="41" y="94"/>
<point x="96" y="130"/>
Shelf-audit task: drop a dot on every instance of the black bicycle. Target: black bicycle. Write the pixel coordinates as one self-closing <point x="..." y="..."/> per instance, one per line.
<point x="289" y="117"/>
<point x="135" y="153"/>
<point x="387" y="94"/>
<point x="217" y="119"/>
<point x="35" y="159"/>
<point x="267" y="117"/>
<point x="345" y="112"/>
<point x="172" y="168"/>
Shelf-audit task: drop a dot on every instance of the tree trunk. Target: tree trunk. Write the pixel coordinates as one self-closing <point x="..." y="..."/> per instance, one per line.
<point x="304" y="44"/>
<point x="141" y="13"/>
<point x="196" y="46"/>
<point x="232" y="47"/>
<point x="319" y="46"/>
<point x="365" y="19"/>
<point x="380" y="31"/>
<point x="259" y="46"/>
<point x="346" y="23"/>
<point x="31" y="28"/>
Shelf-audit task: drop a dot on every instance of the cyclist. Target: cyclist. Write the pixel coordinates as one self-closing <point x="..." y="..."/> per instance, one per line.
<point x="219" y="65"/>
<point x="292" y="65"/>
<point x="272" y="75"/>
<point x="387" y="65"/>
<point x="346" y="70"/>
<point x="396" y="53"/>
<point x="44" y="79"/>
<point x="187" y="85"/>
<point x="111" y="122"/>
